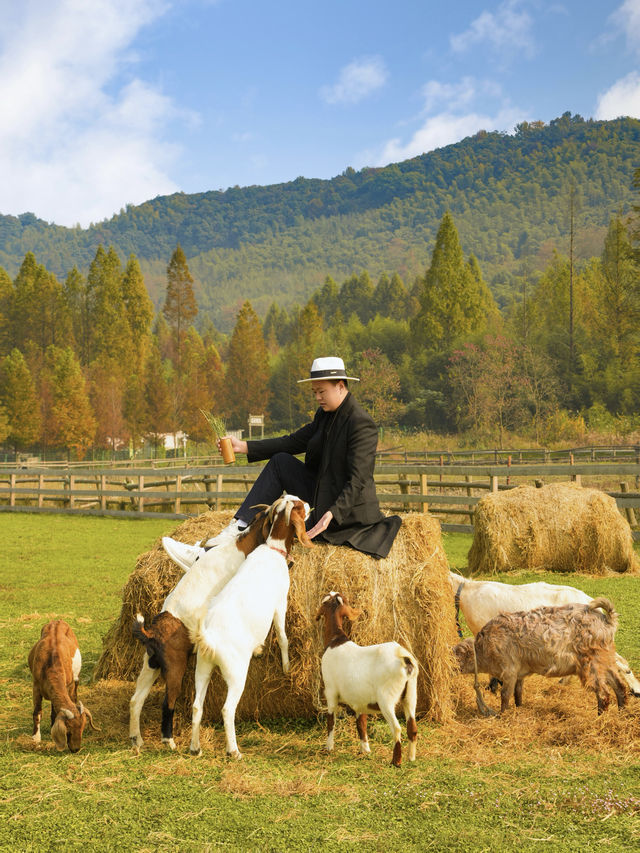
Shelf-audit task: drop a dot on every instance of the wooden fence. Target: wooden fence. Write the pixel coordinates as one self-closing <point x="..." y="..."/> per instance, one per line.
<point x="450" y="491"/>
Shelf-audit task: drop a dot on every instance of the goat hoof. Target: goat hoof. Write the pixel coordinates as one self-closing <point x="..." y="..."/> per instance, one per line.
<point x="396" y="764"/>
<point x="136" y="741"/>
<point x="195" y="752"/>
<point x="236" y="754"/>
<point x="170" y="742"/>
<point x="258" y="651"/>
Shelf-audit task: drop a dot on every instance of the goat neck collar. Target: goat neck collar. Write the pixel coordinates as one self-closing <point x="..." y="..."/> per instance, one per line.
<point x="282" y="551"/>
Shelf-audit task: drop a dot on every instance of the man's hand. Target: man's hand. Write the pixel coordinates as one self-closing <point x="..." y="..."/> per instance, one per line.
<point x="237" y="444"/>
<point x="321" y="525"/>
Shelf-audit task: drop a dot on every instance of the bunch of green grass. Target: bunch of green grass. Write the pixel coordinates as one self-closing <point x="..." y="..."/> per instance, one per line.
<point x="216" y="424"/>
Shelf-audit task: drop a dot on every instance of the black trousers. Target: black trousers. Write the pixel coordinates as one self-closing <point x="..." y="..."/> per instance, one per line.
<point x="282" y="473"/>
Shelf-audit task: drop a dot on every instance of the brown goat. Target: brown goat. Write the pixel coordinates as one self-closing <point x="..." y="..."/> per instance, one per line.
<point x="55" y="663"/>
<point x="576" y="639"/>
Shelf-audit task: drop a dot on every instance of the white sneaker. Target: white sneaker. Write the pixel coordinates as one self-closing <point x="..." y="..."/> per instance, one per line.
<point x="181" y="553"/>
<point x="228" y="534"/>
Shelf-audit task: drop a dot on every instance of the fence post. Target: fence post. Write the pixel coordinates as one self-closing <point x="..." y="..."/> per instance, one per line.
<point x="218" y="490"/>
<point x="631" y="516"/>
<point x="103" y="491"/>
<point x="423" y="491"/>
<point x="140" y="489"/>
<point x="494" y="483"/>
<point x="72" y="485"/>
<point x="178" y="490"/>
<point x="40" y="488"/>
<point x="469" y="479"/>
<point x="12" y="485"/>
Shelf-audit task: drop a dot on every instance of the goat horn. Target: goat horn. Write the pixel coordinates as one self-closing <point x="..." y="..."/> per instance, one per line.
<point x="90" y="718"/>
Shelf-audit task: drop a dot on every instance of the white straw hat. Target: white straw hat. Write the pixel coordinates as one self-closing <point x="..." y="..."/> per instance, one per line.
<point x="328" y="368"/>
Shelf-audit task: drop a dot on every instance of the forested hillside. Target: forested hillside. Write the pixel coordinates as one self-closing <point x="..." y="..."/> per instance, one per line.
<point x="509" y="195"/>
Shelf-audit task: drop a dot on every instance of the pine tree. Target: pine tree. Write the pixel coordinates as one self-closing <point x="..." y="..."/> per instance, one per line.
<point x="6" y="299"/>
<point x="20" y="401"/>
<point x="453" y="302"/>
<point x="327" y="300"/>
<point x="110" y="334"/>
<point x="391" y="298"/>
<point x="357" y="297"/>
<point x="39" y="311"/>
<point x="139" y="311"/>
<point x="107" y="399"/>
<point x="180" y="306"/>
<point x="77" y="299"/>
<point x="73" y="425"/>
<point x="247" y="376"/>
<point x="157" y="420"/>
<point x="197" y="388"/>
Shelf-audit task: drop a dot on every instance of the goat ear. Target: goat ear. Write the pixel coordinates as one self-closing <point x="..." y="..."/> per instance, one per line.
<point x="350" y="612"/>
<point x="299" y="525"/>
<point x="59" y="731"/>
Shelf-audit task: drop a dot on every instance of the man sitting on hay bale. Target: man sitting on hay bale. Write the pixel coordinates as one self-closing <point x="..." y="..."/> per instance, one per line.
<point x="336" y="477"/>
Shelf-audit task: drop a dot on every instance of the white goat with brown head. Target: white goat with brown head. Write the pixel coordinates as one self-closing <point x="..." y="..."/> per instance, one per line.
<point x="239" y="618"/>
<point x="366" y="678"/>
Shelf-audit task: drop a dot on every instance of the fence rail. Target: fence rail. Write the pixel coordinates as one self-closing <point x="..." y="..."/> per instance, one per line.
<point x="450" y="491"/>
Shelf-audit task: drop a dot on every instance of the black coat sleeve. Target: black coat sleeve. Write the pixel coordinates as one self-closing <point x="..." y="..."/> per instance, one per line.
<point x="294" y="443"/>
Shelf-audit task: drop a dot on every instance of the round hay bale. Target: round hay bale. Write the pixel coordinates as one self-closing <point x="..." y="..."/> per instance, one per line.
<point x="560" y="527"/>
<point x="405" y="597"/>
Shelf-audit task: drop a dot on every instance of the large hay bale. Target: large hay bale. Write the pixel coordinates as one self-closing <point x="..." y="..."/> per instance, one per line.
<point x="561" y="527"/>
<point x="405" y="597"/>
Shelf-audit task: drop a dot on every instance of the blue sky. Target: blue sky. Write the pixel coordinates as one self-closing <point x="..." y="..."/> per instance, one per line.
<point x="112" y="102"/>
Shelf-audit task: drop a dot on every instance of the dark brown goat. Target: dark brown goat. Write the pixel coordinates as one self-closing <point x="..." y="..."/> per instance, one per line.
<point x="55" y="663"/>
<point x="576" y="639"/>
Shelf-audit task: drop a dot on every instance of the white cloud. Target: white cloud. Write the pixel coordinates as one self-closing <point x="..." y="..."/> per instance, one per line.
<point x="506" y="31"/>
<point x="356" y="81"/>
<point x="626" y="18"/>
<point x="456" y="95"/>
<point x="621" y="99"/>
<point x="445" y="129"/>
<point x="80" y="136"/>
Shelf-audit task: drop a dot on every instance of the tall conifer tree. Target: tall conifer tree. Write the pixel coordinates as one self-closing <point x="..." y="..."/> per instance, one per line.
<point x="180" y="306"/>
<point x="247" y="376"/>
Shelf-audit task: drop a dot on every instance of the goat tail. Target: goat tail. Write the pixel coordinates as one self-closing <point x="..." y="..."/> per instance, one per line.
<point x="153" y="645"/>
<point x="604" y="604"/>
<point x="409" y="662"/>
<point x="202" y="642"/>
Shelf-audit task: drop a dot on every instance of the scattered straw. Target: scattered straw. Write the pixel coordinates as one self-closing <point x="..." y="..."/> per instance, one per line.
<point x="561" y="527"/>
<point x="405" y="597"/>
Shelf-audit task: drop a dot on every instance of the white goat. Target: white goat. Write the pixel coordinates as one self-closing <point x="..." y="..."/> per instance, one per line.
<point x="366" y="678"/>
<point x="167" y="639"/>
<point x="239" y="618"/>
<point x="481" y="601"/>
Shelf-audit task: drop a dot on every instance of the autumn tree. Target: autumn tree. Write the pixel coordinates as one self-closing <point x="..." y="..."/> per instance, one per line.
<point x="72" y="425"/>
<point x="6" y="299"/>
<point x="20" y="401"/>
<point x="180" y="305"/>
<point x="139" y="311"/>
<point x="157" y="399"/>
<point x="379" y="387"/>
<point x="291" y="403"/>
<point x="39" y="310"/>
<point x="247" y="376"/>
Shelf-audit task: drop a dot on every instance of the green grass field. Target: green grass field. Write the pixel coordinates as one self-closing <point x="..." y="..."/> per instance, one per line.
<point x="551" y="776"/>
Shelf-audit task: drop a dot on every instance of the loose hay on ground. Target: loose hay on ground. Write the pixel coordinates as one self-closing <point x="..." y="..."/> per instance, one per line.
<point x="405" y="597"/>
<point x="561" y="527"/>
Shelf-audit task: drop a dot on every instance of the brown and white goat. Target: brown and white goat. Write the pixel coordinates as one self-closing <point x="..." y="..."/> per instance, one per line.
<point x="167" y="639"/>
<point x="576" y="639"/>
<point x="55" y="663"/>
<point x="239" y="618"/>
<point x="366" y="678"/>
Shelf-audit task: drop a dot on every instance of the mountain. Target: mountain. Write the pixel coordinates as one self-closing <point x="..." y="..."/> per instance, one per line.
<point x="508" y="194"/>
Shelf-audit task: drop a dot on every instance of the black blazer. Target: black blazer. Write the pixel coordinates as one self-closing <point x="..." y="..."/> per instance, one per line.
<point x="340" y="451"/>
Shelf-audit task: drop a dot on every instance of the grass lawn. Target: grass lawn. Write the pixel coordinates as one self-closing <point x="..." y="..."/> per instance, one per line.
<point x="551" y="776"/>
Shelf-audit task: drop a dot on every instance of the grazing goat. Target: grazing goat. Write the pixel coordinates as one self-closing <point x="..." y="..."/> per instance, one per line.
<point x="167" y="639"/>
<point x="480" y="601"/>
<point x="576" y="639"/>
<point x="239" y="618"/>
<point x="55" y="663"/>
<point x="366" y="678"/>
